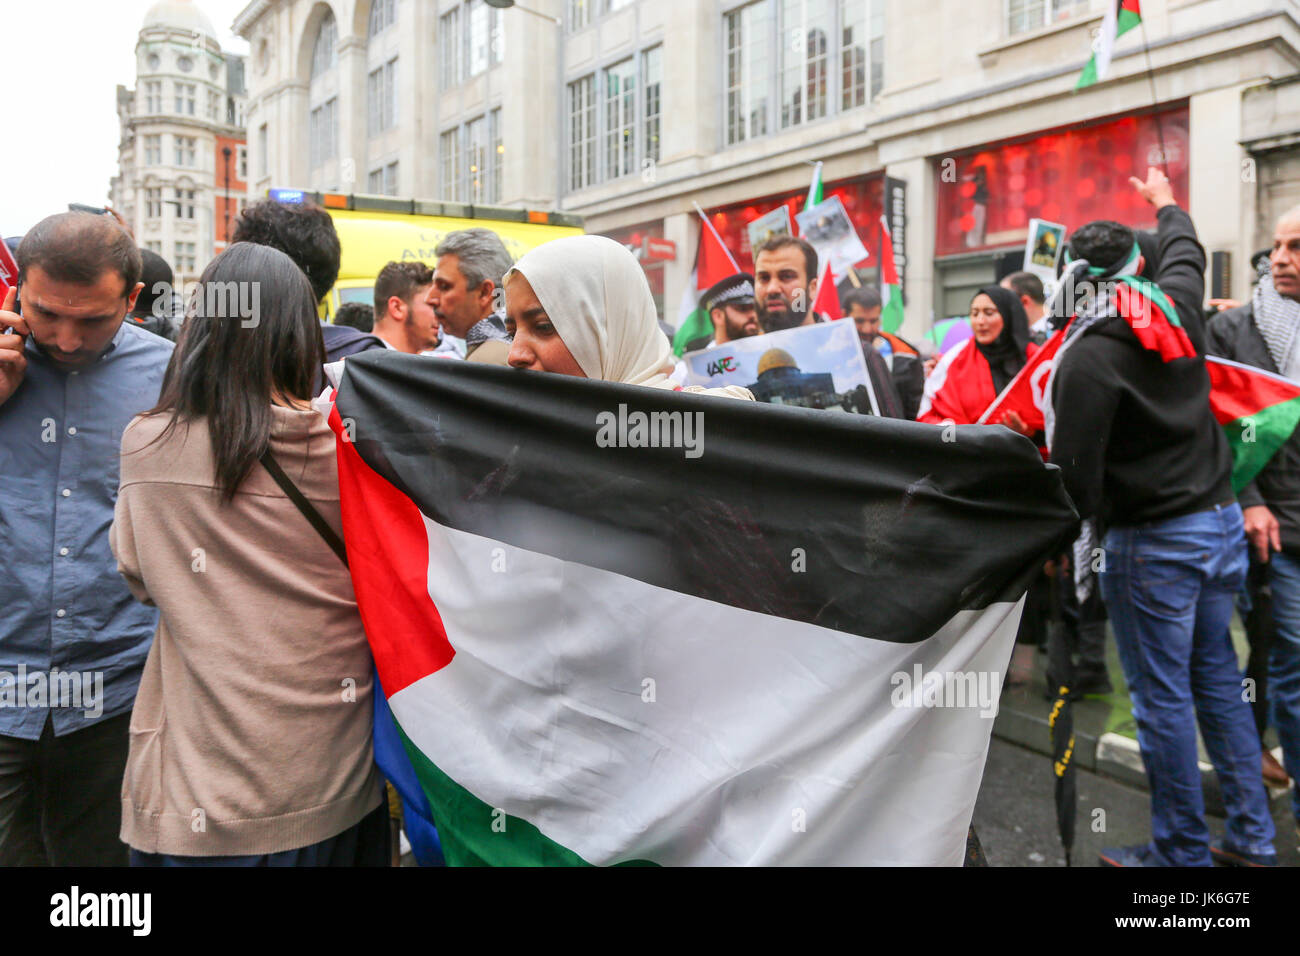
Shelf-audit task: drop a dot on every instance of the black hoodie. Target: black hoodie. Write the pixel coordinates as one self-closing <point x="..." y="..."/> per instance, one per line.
<point x="1135" y="439"/>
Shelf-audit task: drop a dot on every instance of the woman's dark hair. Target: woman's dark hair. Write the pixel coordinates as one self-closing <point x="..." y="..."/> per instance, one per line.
<point x="250" y="335"/>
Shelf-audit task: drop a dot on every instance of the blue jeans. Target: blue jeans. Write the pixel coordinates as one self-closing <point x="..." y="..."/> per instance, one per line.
<point x="1169" y="587"/>
<point x="1284" y="666"/>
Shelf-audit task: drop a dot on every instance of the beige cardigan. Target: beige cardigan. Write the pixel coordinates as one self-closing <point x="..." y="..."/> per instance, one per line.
<point x="251" y="732"/>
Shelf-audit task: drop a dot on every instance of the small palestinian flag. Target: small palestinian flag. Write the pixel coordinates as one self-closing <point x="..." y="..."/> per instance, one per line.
<point x="626" y="625"/>
<point x="713" y="263"/>
<point x="1258" y="411"/>
<point x="815" y="188"/>
<point x="1121" y="16"/>
<point x="891" y="316"/>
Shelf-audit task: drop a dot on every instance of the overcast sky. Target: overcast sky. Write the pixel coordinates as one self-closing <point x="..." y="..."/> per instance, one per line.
<point x="62" y="62"/>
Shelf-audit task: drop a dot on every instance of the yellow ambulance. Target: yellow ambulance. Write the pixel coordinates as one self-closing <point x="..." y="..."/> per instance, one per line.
<point x="376" y="230"/>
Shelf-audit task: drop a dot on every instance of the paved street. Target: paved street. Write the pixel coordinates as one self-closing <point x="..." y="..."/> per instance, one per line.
<point x="1015" y="815"/>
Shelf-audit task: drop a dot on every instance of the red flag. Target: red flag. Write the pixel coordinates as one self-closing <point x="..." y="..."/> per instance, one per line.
<point x="828" y="298"/>
<point x="715" y="263"/>
<point x="8" y="270"/>
<point x="1024" y="394"/>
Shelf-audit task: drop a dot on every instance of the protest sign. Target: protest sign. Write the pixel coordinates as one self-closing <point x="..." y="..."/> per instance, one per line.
<point x="815" y="366"/>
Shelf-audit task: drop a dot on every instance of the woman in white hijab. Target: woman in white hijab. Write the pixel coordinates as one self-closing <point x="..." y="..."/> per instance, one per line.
<point x="581" y="306"/>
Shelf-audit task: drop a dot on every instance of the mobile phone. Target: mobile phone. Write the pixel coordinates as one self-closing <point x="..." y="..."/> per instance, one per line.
<point x="82" y="207"/>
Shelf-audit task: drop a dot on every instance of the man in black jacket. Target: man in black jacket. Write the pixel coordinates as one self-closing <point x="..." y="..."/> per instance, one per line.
<point x="1141" y="453"/>
<point x="1265" y="333"/>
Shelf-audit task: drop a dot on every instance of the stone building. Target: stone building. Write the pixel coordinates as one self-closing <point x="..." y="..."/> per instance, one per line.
<point x="957" y="121"/>
<point x="182" y="152"/>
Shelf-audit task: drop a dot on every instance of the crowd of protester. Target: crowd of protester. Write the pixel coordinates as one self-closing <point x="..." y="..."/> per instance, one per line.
<point x="192" y="479"/>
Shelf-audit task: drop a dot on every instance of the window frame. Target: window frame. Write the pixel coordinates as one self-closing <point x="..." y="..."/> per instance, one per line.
<point x="449" y="169"/>
<point x="1054" y="12"/>
<point x="451" y="68"/>
<point x="775" y="120"/>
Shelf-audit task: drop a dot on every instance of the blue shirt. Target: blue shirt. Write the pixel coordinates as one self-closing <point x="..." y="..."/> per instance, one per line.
<point x="65" y="605"/>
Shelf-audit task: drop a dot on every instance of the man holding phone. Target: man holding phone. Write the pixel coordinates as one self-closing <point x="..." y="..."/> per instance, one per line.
<point x="72" y="639"/>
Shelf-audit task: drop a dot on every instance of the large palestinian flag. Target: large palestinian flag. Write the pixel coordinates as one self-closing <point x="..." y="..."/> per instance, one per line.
<point x="627" y="625"/>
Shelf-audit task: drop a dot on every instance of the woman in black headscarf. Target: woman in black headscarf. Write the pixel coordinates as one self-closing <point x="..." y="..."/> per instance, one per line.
<point x="970" y="377"/>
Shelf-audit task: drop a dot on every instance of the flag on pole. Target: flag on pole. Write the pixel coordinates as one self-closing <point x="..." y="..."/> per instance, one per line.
<point x="1258" y="411"/>
<point x="618" y="624"/>
<point x="815" y="189"/>
<point x="891" y="291"/>
<point x="827" y="301"/>
<point x="692" y="321"/>
<point x="713" y="263"/>
<point x="1024" y="393"/>
<point x="1121" y="16"/>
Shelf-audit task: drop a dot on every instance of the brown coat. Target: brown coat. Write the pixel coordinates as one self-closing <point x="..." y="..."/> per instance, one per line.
<point x="251" y="732"/>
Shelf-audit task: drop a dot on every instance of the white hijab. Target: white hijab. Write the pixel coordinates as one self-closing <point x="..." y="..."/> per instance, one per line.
<point x="597" y="297"/>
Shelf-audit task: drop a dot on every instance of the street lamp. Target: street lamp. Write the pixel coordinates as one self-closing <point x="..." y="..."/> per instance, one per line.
<point x="507" y="4"/>
<point x="225" y="151"/>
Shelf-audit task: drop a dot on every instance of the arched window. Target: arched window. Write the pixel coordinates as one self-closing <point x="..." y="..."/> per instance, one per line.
<point x="324" y="55"/>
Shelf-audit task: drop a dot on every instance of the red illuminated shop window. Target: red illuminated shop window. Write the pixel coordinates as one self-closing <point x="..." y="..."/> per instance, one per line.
<point x="986" y="198"/>
<point x="861" y="198"/>
<point x="634" y="238"/>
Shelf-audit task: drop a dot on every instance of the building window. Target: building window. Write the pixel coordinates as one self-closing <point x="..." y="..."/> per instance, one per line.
<point x="242" y="164"/>
<point x="1024" y="15"/>
<point x="812" y="56"/>
<point x="185" y="98"/>
<point x="383" y="180"/>
<point x="186" y="151"/>
<point x="749" y="60"/>
<point x="582" y="132"/>
<point x="652" y="67"/>
<point x="476" y="159"/>
<point x="620" y="119"/>
<point x="186" y="258"/>
<point x="324" y="54"/>
<point x="214" y="105"/>
<point x="381" y="97"/>
<point x="579" y="13"/>
<point x="449" y="47"/>
<point x="154" y="246"/>
<point x="806" y="27"/>
<point x="153" y="96"/>
<point x="877" y="47"/>
<point x="323" y="131"/>
<point x="383" y="14"/>
<point x="449" y="158"/>
<point x="153" y="150"/>
<point x="263" y="148"/>
<point x="498" y="155"/>
<point x="184" y="203"/>
<point x="484" y="37"/>
<point x="153" y="202"/>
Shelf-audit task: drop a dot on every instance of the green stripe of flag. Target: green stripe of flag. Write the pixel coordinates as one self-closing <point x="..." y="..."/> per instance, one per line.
<point x="1256" y="439"/>
<point x="475" y="834"/>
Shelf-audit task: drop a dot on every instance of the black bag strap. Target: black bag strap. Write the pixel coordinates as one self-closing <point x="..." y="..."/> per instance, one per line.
<point x="306" y="507"/>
